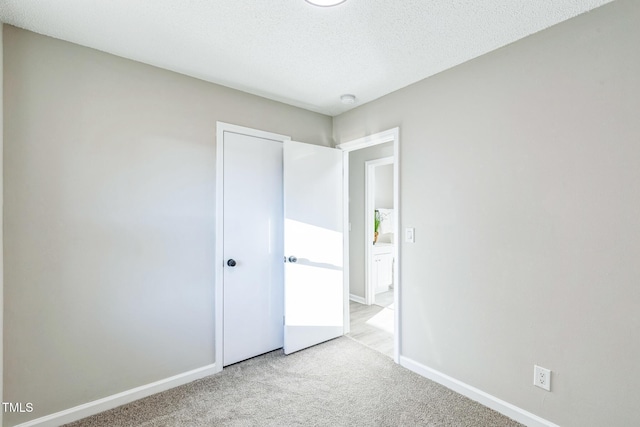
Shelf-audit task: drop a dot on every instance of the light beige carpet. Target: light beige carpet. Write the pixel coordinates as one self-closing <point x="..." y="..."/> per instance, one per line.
<point x="338" y="383"/>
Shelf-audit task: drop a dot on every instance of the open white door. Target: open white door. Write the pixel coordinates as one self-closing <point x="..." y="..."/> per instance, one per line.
<point x="313" y="289"/>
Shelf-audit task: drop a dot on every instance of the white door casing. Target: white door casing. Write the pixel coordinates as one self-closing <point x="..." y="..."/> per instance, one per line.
<point x="314" y="286"/>
<point x="391" y="135"/>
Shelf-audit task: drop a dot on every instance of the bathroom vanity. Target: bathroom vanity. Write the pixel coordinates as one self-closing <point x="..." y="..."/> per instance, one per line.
<point x="382" y="267"/>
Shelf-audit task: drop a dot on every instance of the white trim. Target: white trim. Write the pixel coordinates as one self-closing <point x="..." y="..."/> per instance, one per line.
<point x="219" y="261"/>
<point x="221" y="128"/>
<point x="397" y="277"/>
<point x="505" y="408"/>
<point x="346" y="233"/>
<point x="87" y="409"/>
<point x="356" y="298"/>
<point x="369" y="141"/>
<point x="369" y="206"/>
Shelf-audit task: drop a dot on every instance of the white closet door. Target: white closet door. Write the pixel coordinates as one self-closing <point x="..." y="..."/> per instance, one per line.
<point x="314" y="295"/>
<point x="253" y="246"/>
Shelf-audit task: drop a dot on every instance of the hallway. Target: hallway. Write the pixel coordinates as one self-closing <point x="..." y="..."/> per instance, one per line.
<point x="372" y="325"/>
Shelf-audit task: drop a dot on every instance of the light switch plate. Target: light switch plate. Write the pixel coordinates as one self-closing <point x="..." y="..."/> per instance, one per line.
<point x="410" y="235"/>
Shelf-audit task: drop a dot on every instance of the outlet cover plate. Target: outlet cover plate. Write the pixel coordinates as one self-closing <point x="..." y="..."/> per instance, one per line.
<point x="542" y="377"/>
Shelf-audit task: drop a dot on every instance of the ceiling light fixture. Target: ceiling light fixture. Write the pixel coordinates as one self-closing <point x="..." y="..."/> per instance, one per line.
<point x="325" y="3"/>
<point x="348" y="99"/>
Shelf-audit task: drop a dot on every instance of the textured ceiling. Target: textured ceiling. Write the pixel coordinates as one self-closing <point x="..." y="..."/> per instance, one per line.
<point x="289" y="50"/>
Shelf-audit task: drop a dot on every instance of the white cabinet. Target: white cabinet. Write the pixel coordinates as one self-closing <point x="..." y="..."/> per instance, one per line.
<point x="382" y="267"/>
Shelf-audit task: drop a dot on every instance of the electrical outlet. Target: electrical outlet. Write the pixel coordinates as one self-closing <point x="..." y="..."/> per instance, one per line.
<point x="542" y="377"/>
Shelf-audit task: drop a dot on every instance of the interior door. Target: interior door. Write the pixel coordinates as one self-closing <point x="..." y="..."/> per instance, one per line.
<point x="313" y="242"/>
<point x="252" y="246"/>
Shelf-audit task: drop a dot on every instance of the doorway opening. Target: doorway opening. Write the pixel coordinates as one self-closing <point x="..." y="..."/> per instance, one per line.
<point x="380" y="237"/>
<point x="372" y="279"/>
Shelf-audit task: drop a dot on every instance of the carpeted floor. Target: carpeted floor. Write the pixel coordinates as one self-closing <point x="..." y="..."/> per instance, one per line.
<point x="338" y="383"/>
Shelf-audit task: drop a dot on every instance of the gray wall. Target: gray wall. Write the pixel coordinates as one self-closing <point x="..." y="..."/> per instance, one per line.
<point x="384" y="187"/>
<point x="109" y="218"/>
<point x="520" y="171"/>
<point x="357" y="254"/>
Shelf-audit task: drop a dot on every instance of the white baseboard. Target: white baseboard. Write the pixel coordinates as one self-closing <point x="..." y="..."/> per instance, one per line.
<point x="110" y="402"/>
<point x="356" y="298"/>
<point x="505" y="408"/>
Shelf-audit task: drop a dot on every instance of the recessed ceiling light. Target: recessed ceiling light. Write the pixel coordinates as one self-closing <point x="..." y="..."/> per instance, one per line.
<point x="348" y="99"/>
<point x="325" y="3"/>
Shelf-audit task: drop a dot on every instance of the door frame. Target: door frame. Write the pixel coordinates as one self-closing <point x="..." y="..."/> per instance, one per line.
<point x="391" y="135"/>
<point x="221" y="128"/>
<point x="369" y="203"/>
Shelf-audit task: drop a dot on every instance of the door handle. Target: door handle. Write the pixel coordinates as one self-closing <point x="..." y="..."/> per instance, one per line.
<point x="293" y="259"/>
<point x="231" y="262"/>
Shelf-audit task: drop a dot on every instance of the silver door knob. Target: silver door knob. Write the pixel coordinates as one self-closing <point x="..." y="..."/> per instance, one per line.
<point x="293" y="259"/>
